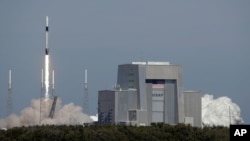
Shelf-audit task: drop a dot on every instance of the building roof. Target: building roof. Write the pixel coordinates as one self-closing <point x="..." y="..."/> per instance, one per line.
<point x="150" y="63"/>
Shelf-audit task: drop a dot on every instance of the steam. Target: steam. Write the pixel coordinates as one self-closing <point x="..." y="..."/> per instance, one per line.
<point x="221" y="111"/>
<point x="214" y="112"/>
<point x="94" y="117"/>
<point x="46" y="81"/>
<point x="68" y="114"/>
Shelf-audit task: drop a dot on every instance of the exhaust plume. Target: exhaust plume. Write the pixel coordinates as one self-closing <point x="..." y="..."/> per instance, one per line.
<point x="69" y="114"/>
<point x="221" y="111"/>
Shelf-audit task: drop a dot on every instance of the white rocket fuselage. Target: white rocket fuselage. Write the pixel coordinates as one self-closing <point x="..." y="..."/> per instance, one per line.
<point x="46" y="71"/>
<point x="47" y="36"/>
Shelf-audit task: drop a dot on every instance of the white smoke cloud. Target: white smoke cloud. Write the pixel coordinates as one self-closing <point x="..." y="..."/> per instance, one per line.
<point x="94" y="117"/>
<point x="214" y="112"/>
<point x="68" y="114"/>
<point x="220" y="111"/>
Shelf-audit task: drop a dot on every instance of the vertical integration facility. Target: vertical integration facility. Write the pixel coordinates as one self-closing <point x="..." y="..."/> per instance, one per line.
<point x="146" y="92"/>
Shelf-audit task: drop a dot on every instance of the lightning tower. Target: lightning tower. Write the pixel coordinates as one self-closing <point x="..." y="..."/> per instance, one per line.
<point x="53" y="84"/>
<point x="9" y="101"/>
<point x="53" y="106"/>
<point x="42" y="103"/>
<point x="86" y="97"/>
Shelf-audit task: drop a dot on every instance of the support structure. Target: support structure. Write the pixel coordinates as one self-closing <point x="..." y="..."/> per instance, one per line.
<point x="53" y="107"/>
<point x="53" y="84"/>
<point x="9" y="101"/>
<point x="86" y="97"/>
<point x="42" y="99"/>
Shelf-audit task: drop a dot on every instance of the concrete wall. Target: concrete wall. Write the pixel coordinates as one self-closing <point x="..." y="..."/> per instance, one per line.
<point x="106" y="106"/>
<point x="127" y="78"/>
<point x="124" y="101"/>
<point x="170" y="72"/>
<point x="171" y="102"/>
<point x="114" y="105"/>
<point x="192" y="107"/>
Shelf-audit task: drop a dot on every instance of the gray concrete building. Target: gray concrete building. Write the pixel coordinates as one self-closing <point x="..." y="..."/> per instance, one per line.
<point x="119" y="106"/>
<point x="192" y="108"/>
<point x="149" y="92"/>
<point x="159" y="89"/>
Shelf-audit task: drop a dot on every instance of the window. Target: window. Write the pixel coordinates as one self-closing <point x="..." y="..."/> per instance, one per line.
<point x="131" y="74"/>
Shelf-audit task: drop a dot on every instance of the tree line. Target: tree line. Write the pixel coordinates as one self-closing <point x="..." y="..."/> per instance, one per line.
<point x="111" y="132"/>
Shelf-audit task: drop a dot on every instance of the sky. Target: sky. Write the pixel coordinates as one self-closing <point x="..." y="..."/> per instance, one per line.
<point x="210" y="39"/>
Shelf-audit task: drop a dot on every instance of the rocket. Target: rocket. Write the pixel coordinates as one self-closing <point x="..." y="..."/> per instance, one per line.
<point x="47" y="70"/>
<point x="47" y="36"/>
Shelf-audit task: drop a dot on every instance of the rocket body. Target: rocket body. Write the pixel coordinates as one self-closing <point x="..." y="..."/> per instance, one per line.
<point x="47" y="70"/>
<point x="47" y="36"/>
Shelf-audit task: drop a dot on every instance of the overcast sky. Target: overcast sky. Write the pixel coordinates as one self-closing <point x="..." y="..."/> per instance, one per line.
<point x="210" y="39"/>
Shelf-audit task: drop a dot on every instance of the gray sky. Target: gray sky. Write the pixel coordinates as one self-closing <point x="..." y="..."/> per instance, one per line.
<point x="210" y="39"/>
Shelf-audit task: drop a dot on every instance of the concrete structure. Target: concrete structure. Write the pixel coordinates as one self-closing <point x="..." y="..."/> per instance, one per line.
<point x="120" y="106"/>
<point x="159" y="89"/>
<point x="157" y="94"/>
<point x="192" y="108"/>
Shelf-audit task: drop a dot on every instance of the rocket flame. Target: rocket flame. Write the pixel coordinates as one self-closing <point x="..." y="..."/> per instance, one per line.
<point x="46" y="81"/>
